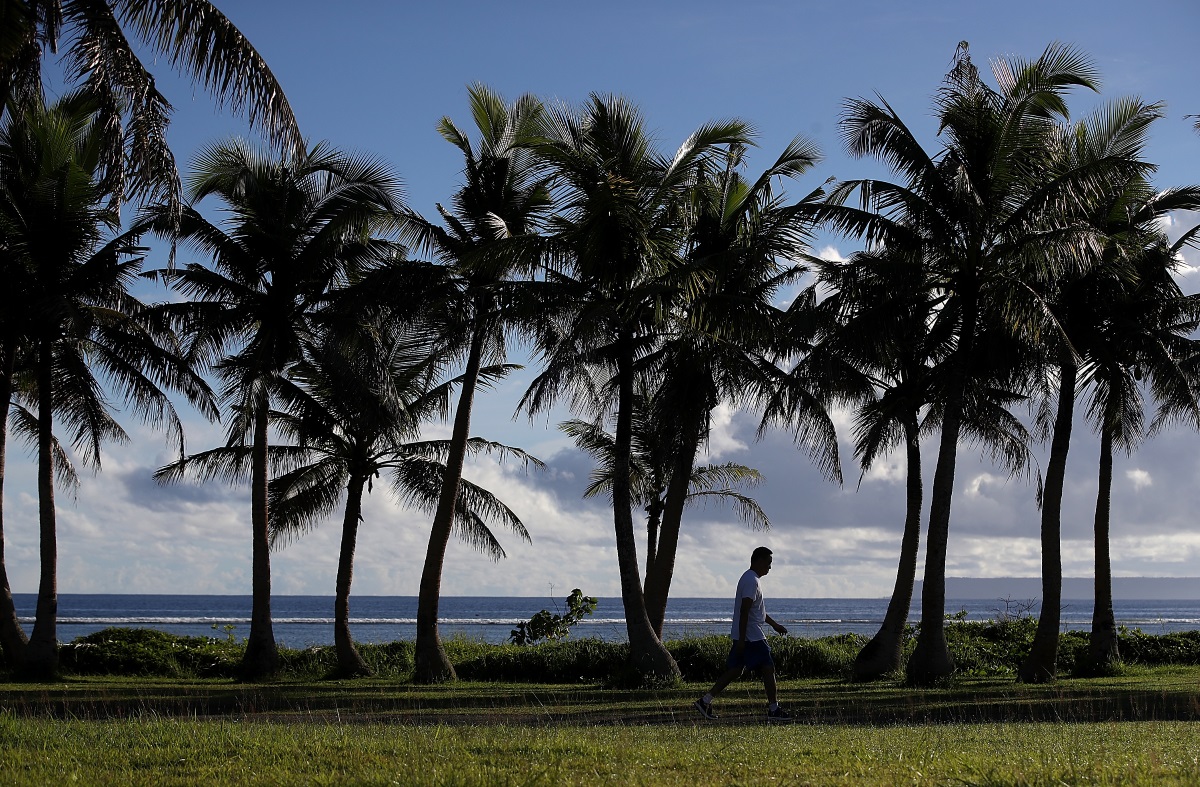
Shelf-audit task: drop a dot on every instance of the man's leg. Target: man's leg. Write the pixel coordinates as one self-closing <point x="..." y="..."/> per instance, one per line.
<point x="730" y="676"/>
<point x="768" y="678"/>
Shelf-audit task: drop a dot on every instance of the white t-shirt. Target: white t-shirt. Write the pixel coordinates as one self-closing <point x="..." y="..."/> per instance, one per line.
<point x="748" y="587"/>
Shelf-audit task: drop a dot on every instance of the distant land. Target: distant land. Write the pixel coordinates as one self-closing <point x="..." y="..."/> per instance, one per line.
<point x="1020" y="589"/>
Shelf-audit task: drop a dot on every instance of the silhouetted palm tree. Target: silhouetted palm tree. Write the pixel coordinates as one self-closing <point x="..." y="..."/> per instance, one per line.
<point x="882" y="322"/>
<point x="620" y="226"/>
<point x="722" y="333"/>
<point x="501" y="201"/>
<point x="882" y="325"/>
<point x="73" y="317"/>
<point x="297" y="229"/>
<point x="651" y="464"/>
<point x="98" y="57"/>
<point x="1110" y="143"/>
<point x="974" y="213"/>
<point x="353" y="408"/>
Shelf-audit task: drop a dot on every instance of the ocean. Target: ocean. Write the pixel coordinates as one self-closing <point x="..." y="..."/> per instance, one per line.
<point x="305" y="621"/>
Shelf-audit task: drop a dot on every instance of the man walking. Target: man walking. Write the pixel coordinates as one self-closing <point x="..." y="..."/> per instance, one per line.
<point x="750" y="649"/>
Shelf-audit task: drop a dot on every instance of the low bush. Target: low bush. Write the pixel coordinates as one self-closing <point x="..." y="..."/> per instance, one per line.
<point x="704" y="658"/>
<point x="564" y="661"/>
<point x="1138" y="647"/>
<point x="150" y="653"/>
<point x="980" y="649"/>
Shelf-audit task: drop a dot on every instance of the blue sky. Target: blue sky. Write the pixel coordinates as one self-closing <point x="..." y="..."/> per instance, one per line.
<point x="376" y="77"/>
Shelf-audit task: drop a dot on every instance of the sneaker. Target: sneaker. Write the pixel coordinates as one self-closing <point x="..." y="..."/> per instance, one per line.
<point x="705" y="708"/>
<point x="780" y="714"/>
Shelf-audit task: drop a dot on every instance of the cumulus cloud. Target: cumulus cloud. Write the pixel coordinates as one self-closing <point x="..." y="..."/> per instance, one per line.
<point x="722" y="437"/>
<point x="1139" y="478"/>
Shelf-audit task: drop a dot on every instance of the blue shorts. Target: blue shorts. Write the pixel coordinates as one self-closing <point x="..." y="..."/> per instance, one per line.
<point x="756" y="655"/>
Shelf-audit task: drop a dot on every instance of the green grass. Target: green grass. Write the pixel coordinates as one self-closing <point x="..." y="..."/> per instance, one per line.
<point x="1136" y="728"/>
<point x="184" y="751"/>
<point x="551" y="715"/>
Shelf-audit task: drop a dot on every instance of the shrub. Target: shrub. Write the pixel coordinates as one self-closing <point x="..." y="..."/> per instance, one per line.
<point x="147" y="652"/>
<point x="986" y="649"/>
<point x="1180" y="647"/>
<point x="389" y="659"/>
<point x="571" y="661"/>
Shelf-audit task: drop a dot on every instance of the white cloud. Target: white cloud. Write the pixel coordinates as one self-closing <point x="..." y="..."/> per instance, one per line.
<point x="722" y="436"/>
<point x="1139" y="478"/>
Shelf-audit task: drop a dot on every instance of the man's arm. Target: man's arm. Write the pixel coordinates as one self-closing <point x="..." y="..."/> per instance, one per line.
<point x="779" y="628"/>
<point x="743" y="618"/>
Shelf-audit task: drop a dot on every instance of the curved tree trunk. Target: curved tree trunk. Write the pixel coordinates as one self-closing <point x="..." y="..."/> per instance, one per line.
<point x="350" y="663"/>
<point x="931" y="660"/>
<point x="885" y="652"/>
<point x="41" y="654"/>
<point x="1041" y="663"/>
<point x="431" y="664"/>
<point x="1102" y="642"/>
<point x="658" y="579"/>
<point x="12" y="636"/>
<point x="261" y="659"/>
<point x="647" y="655"/>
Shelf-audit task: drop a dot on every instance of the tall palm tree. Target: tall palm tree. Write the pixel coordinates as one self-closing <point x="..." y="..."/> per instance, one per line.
<point x="723" y="331"/>
<point x="1150" y="332"/>
<point x="620" y="227"/>
<point x="1111" y="142"/>
<point x="297" y="230"/>
<point x="974" y="212"/>
<point x="98" y="56"/>
<point x="500" y="204"/>
<point x="353" y="408"/>
<point x="75" y="318"/>
<point x="883" y="322"/>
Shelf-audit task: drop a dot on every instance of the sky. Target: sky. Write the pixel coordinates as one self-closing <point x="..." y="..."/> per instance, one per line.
<point x="376" y="77"/>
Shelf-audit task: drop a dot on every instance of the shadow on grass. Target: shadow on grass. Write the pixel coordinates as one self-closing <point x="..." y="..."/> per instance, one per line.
<point x="1156" y="695"/>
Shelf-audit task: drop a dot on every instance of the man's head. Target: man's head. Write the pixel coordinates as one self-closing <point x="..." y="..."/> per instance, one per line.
<point x="760" y="561"/>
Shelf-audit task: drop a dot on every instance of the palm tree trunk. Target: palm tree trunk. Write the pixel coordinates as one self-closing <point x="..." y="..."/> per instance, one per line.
<point x="431" y="664"/>
<point x="261" y="658"/>
<point x="350" y="663"/>
<point x="658" y="580"/>
<point x="12" y="636"/>
<point x="884" y="653"/>
<point x="653" y="521"/>
<point x="41" y="654"/>
<point x="1102" y="643"/>
<point x="1041" y="663"/>
<point x="647" y="656"/>
<point x="931" y="660"/>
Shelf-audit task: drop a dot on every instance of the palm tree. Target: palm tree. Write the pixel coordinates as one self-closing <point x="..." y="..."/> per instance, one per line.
<point x="652" y="463"/>
<point x="1126" y="319"/>
<point x="500" y="204"/>
<point x="1077" y="301"/>
<point x="974" y="213"/>
<point x="620" y="228"/>
<point x="881" y="311"/>
<point x="883" y="322"/>
<point x="297" y="230"/>
<point x="192" y="35"/>
<point x="1150" y="332"/>
<point x="75" y="318"/>
<point x="724" y="330"/>
<point x="354" y="406"/>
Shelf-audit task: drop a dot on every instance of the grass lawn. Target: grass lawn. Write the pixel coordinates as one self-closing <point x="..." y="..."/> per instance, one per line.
<point x="1139" y="728"/>
<point x="190" y="751"/>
